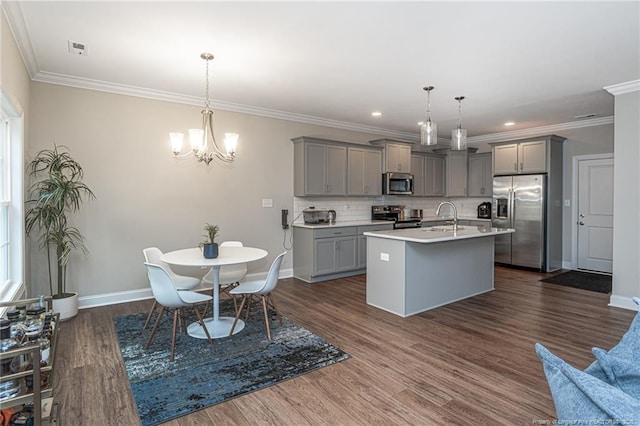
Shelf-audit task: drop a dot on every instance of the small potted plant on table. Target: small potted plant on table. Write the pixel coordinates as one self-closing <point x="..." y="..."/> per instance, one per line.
<point x="209" y="246"/>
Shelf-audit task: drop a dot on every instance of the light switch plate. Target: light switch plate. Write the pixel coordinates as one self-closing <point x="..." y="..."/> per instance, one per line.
<point x="384" y="256"/>
<point x="267" y="202"/>
<point x="567" y="203"/>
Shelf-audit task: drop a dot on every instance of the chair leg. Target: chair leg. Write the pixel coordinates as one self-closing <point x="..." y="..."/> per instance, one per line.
<point x="153" y="308"/>
<point x="173" y="334"/>
<point x="155" y="327"/>
<point x="203" y="324"/>
<point x="266" y="316"/>
<point x="246" y="317"/>
<point x="275" y="308"/>
<point x="235" y="321"/>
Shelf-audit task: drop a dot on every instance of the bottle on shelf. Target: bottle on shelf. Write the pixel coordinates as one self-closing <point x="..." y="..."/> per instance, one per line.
<point x="8" y="388"/>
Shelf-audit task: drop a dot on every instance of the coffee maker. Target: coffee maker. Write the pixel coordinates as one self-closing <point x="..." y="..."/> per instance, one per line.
<point x="484" y="211"/>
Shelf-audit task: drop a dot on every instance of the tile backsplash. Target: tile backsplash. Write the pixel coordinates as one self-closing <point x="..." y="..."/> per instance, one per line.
<point x="359" y="208"/>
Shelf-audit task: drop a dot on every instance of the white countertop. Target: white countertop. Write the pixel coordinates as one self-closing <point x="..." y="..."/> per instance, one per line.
<point x="364" y="222"/>
<point x="429" y="235"/>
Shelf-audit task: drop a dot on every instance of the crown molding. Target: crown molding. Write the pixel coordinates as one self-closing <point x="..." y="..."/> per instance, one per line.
<point x="539" y="131"/>
<point x="622" y="88"/>
<point x="13" y="12"/>
<point x="121" y="89"/>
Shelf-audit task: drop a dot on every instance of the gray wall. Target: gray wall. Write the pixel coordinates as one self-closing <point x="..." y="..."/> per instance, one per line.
<point x="626" y="204"/>
<point x="145" y="197"/>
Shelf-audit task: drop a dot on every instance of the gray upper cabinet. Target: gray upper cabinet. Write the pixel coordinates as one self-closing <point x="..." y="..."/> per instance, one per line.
<point x="480" y="179"/>
<point x="435" y="169"/>
<point x="364" y="171"/>
<point x="319" y="168"/>
<point x="428" y="175"/>
<point x="522" y="157"/>
<point x="456" y="171"/>
<point x="417" y="170"/>
<point x="396" y="155"/>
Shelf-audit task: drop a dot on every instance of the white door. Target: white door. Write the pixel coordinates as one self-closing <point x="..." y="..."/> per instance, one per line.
<point x="595" y="214"/>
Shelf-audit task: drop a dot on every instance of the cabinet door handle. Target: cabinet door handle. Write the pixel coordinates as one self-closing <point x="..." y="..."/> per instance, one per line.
<point x="521" y="167"/>
<point x="515" y="166"/>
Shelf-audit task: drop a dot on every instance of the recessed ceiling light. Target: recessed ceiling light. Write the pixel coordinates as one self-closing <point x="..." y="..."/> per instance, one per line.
<point x="420" y="123"/>
<point x="509" y="123"/>
<point x="376" y="114"/>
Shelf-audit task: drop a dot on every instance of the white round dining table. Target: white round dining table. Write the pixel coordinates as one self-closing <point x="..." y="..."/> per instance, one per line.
<point x="217" y="326"/>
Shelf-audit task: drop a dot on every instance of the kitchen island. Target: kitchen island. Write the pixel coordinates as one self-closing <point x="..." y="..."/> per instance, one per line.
<point x="413" y="270"/>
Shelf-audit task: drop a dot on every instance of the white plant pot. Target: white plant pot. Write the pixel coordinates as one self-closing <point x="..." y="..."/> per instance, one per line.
<point x="67" y="307"/>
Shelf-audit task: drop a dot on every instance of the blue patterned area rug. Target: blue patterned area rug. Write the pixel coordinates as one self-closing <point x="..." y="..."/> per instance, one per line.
<point x="203" y="375"/>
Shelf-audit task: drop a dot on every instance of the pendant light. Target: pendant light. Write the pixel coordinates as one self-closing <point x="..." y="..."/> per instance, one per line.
<point x="429" y="129"/>
<point x="459" y="135"/>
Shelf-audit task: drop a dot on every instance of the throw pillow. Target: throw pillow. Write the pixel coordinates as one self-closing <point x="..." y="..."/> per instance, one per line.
<point x="627" y="348"/>
<point x="580" y="397"/>
<point x="621" y="373"/>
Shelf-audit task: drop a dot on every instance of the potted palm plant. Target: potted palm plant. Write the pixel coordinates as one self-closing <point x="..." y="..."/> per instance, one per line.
<point x="209" y="246"/>
<point x="57" y="192"/>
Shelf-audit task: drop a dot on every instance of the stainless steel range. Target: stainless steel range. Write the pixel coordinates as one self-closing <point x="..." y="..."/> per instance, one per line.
<point x="398" y="215"/>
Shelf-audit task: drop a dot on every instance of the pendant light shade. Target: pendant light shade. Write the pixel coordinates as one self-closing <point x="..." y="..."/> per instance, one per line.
<point x="428" y="129"/>
<point x="459" y="135"/>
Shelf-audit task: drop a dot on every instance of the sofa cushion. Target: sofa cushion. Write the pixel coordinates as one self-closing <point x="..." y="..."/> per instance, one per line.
<point x="579" y="396"/>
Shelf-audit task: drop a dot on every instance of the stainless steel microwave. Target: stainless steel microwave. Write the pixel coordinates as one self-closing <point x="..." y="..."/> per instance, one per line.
<point x="397" y="183"/>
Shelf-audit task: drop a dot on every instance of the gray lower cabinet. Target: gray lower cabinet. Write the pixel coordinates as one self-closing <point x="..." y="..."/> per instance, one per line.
<point x="327" y="253"/>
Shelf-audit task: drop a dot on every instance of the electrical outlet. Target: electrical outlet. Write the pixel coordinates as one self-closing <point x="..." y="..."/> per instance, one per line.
<point x="384" y="257"/>
<point x="267" y="202"/>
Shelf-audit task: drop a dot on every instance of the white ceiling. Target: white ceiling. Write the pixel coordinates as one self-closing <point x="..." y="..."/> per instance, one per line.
<point x="535" y="63"/>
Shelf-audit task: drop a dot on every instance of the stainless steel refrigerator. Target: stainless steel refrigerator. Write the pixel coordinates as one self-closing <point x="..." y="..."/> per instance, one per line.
<point x="520" y="202"/>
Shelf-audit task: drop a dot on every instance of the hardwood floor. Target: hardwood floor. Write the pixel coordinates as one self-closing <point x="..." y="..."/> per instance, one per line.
<point x="470" y="362"/>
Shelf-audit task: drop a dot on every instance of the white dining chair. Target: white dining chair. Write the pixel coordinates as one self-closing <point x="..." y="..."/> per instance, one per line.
<point x="230" y="275"/>
<point x="182" y="282"/>
<point x="169" y="298"/>
<point x="263" y="289"/>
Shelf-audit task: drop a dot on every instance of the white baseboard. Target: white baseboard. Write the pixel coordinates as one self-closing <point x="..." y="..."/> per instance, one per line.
<point x="145" y="293"/>
<point x="568" y="265"/>
<point x="622" y="302"/>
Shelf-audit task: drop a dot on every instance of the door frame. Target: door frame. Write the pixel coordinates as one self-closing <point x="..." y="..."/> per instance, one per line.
<point x="574" y="205"/>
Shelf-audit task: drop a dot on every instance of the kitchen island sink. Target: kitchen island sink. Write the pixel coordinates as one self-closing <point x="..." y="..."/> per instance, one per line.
<point x="413" y="270"/>
<point x="449" y="228"/>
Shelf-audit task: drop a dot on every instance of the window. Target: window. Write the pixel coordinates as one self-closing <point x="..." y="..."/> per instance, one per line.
<point x="11" y="201"/>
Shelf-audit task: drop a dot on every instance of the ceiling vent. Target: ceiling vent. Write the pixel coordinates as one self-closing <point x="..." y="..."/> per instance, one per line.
<point x="76" y="48"/>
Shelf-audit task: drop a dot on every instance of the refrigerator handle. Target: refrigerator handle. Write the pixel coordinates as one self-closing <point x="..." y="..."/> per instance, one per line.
<point x="512" y="202"/>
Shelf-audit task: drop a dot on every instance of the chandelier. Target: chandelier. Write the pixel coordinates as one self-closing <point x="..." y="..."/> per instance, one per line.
<point x="200" y="147"/>
<point x="428" y="129"/>
<point x="459" y="135"/>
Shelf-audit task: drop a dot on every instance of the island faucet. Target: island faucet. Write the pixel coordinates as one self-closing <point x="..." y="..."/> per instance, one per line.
<point x="455" y="212"/>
